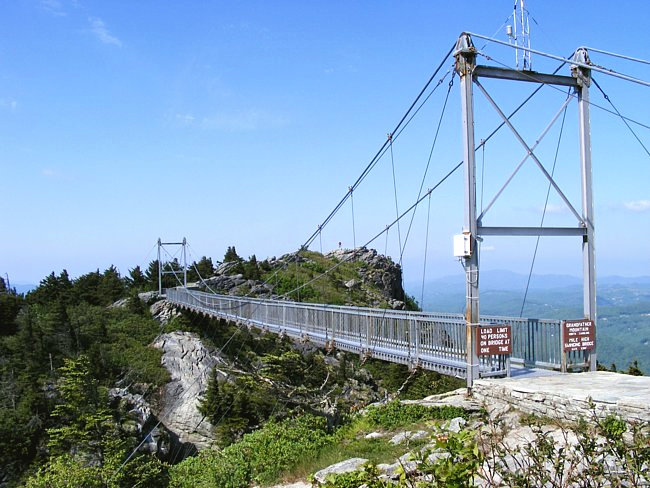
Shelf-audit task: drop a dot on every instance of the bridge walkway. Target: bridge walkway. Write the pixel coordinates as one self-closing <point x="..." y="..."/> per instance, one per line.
<point x="433" y="341"/>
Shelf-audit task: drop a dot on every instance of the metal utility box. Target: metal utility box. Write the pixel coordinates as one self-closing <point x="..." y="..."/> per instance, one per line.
<point x="462" y="245"/>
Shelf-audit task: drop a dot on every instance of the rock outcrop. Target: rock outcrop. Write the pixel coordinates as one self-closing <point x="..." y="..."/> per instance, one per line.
<point x="163" y="311"/>
<point x="378" y="270"/>
<point x="189" y="363"/>
<point x="379" y="280"/>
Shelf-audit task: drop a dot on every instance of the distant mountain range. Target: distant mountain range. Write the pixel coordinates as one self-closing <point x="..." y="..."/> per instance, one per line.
<point x="504" y="280"/>
<point x="623" y="306"/>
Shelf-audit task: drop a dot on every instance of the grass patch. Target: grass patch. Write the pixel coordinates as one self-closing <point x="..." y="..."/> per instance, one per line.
<point x="348" y="442"/>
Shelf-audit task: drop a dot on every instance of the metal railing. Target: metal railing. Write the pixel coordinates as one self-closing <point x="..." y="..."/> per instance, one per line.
<point x="434" y="341"/>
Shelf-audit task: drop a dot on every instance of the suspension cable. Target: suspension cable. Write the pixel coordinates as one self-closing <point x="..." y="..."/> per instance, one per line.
<point x="622" y="118"/>
<point x="426" y="249"/>
<point x="541" y="224"/>
<point x="379" y="234"/>
<point x="426" y="169"/>
<point x="354" y="233"/>
<point x="616" y="55"/>
<point x="392" y="164"/>
<point x="377" y="155"/>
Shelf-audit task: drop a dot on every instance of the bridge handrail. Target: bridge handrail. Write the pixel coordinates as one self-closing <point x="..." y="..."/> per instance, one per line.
<point x="437" y="340"/>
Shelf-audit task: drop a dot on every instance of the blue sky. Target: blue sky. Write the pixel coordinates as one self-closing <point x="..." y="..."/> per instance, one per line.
<point x="244" y="123"/>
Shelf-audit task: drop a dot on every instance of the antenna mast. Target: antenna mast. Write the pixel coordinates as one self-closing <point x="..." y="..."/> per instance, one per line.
<point x="519" y="35"/>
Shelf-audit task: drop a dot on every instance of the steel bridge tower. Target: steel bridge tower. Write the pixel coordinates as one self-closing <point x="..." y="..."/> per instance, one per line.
<point x="473" y="231"/>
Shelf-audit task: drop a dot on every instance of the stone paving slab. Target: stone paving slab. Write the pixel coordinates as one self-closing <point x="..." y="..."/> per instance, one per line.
<point x="567" y="396"/>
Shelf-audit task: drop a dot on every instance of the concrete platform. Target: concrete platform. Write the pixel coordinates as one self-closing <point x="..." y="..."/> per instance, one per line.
<point x="568" y="396"/>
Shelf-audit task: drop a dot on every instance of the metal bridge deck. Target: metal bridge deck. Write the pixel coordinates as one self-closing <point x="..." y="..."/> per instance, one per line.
<point x="434" y="341"/>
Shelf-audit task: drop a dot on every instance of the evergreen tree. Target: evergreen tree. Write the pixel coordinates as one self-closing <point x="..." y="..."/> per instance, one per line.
<point x="137" y="279"/>
<point x="251" y="269"/>
<point x="212" y="404"/>
<point x="231" y="255"/>
<point x="10" y="305"/>
<point x="52" y="288"/>
<point x="205" y="267"/>
<point x="112" y="287"/>
<point x="82" y="416"/>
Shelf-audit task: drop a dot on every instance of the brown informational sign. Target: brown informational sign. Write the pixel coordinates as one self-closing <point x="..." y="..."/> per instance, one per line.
<point x="494" y="340"/>
<point x="579" y="335"/>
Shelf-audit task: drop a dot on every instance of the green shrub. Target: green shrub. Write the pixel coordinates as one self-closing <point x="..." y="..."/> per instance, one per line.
<point x="395" y="414"/>
<point x="259" y="457"/>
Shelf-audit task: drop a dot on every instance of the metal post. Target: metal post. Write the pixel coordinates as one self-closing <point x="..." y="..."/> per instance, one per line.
<point x="583" y="77"/>
<point x="184" y="262"/>
<point x="159" y="269"/>
<point x="465" y="63"/>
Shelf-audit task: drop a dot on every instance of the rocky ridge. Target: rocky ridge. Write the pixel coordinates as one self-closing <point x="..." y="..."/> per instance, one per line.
<point x="378" y="278"/>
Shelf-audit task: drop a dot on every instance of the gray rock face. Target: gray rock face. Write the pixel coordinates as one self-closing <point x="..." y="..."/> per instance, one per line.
<point x="347" y="466"/>
<point x="163" y="311"/>
<point x="189" y="363"/>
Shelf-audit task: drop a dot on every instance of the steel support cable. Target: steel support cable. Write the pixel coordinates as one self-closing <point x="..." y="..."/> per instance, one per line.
<point x="354" y="232"/>
<point x="622" y="118"/>
<point x="532" y="77"/>
<point x="426" y="169"/>
<point x="616" y="55"/>
<point x="376" y="159"/>
<point x="483" y="142"/>
<point x="530" y="153"/>
<point x="145" y="263"/>
<point x="392" y="164"/>
<point x="541" y="224"/>
<point x="379" y="234"/>
<point x="380" y="154"/>
<point x="373" y="160"/>
<point x="593" y="67"/>
<point x="426" y="249"/>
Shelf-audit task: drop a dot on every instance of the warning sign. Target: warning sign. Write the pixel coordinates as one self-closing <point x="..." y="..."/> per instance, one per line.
<point x="579" y="335"/>
<point x="494" y="340"/>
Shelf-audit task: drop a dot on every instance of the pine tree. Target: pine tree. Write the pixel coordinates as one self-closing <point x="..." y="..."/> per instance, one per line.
<point x="211" y="405"/>
<point x="82" y="418"/>
<point x="137" y="279"/>
<point x="231" y="255"/>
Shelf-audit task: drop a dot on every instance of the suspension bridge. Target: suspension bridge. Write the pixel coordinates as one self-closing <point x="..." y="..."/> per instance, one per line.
<point x="468" y="345"/>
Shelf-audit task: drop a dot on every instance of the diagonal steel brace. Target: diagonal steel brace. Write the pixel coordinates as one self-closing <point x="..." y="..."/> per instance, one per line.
<point x="516" y="170"/>
<point x="532" y="155"/>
